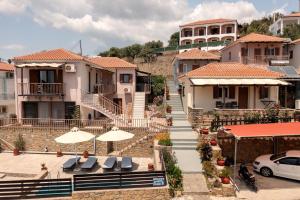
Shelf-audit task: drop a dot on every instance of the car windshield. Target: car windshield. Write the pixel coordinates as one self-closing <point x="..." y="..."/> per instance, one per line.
<point x="276" y="156"/>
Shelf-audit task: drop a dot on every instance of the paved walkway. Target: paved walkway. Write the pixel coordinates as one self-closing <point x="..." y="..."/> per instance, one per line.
<point x="184" y="141"/>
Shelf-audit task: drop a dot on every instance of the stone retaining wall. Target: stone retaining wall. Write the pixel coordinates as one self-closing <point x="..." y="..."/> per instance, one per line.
<point x="36" y="139"/>
<point x="195" y="116"/>
<point x="161" y="193"/>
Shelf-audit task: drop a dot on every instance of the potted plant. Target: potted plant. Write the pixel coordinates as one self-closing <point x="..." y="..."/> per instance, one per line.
<point x="204" y="131"/>
<point x="170" y="121"/>
<point x="85" y="154"/>
<point x="19" y="145"/>
<point x="213" y="142"/>
<point x="150" y="167"/>
<point x="169" y="109"/>
<point x="224" y="175"/>
<point x="59" y="153"/>
<point x="220" y="161"/>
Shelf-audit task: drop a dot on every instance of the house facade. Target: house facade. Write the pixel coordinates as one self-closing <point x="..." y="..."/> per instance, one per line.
<point x="192" y="59"/>
<point x="278" y="26"/>
<point x="7" y="90"/>
<point x="213" y="30"/>
<point x="257" y="49"/>
<point x="230" y="86"/>
<point x="56" y="83"/>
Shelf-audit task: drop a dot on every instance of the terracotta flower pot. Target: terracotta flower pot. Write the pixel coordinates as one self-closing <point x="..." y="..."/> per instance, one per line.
<point x="225" y="180"/>
<point x="150" y="167"/>
<point x="16" y="152"/>
<point x="59" y="154"/>
<point x="85" y="154"/>
<point x="213" y="142"/>
<point x="220" y="162"/>
<point x="204" y="131"/>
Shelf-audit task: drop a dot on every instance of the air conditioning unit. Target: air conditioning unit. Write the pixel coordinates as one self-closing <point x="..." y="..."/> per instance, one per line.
<point x="127" y="90"/>
<point x="70" y="68"/>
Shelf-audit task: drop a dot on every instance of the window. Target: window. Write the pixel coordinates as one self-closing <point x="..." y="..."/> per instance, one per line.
<point x="244" y="52"/>
<point x="125" y="78"/>
<point x="272" y="51"/>
<point x="263" y="92"/>
<point x="289" y="161"/>
<point x="201" y="32"/>
<point x="181" y="68"/>
<point x="9" y="75"/>
<point x="229" y="29"/>
<point x="187" y="42"/>
<point x="47" y="76"/>
<point x="3" y="109"/>
<point x="229" y="55"/>
<point x="291" y="54"/>
<point x="217" y="92"/>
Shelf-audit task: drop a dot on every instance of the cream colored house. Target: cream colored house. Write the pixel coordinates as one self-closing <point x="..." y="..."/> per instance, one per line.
<point x="229" y="86"/>
<point x="51" y="84"/>
<point x="278" y="26"/>
<point x="7" y="90"/>
<point x="257" y="49"/>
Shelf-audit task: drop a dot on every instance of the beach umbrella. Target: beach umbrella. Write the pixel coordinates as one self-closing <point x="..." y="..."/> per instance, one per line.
<point x="114" y="135"/>
<point x="75" y="135"/>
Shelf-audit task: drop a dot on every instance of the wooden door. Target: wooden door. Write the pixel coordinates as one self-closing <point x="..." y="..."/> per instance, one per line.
<point x="257" y="54"/>
<point x="118" y="101"/>
<point x="243" y="97"/>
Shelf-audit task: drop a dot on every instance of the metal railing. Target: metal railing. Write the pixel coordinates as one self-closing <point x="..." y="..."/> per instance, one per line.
<point x="40" y="89"/>
<point x="104" y="88"/>
<point x="263" y="59"/>
<point x="32" y="189"/>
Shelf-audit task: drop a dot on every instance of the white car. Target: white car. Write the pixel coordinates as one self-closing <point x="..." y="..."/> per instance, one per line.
<point x="285" y="165"/>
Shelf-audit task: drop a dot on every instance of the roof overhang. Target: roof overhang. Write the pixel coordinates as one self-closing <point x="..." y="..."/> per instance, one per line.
<point x="264" y="130"/>
<point x="236" y="81"/>
<point x="55" y="65"/>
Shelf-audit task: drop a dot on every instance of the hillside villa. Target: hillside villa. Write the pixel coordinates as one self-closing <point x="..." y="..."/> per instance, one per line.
<point x="278" y="26"/>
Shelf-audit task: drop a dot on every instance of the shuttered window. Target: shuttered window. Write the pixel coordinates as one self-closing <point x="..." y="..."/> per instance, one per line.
<point x="231" y="92"/>
<point x="217" y="92"/>
<point x="125" y="78"/>
<point x="263" y="92"/>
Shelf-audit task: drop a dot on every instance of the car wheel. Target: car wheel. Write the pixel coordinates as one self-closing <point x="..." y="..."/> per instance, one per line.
<point x="265" y="171"/>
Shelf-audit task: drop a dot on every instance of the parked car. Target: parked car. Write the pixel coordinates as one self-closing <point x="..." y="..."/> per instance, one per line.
<point x="286" y="164"/>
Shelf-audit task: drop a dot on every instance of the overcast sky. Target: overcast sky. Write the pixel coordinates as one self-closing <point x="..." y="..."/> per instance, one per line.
<point x="34" y="25"/>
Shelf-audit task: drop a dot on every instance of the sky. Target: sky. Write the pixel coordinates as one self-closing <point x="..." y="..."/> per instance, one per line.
<point x="28" y="26"/>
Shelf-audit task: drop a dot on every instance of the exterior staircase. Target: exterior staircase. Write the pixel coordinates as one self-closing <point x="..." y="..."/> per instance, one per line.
<point x="139" y="105"/>
<point x="183" y="137"/>
<point x="101" y="104"/>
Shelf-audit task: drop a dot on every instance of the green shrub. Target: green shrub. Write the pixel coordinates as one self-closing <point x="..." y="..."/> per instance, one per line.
<point x="174" y="173"/>
<point x="225" y="172"/>
<point x="165" y="142"/>
<point x="20" y="143"/>
<point x="209" y="168"/>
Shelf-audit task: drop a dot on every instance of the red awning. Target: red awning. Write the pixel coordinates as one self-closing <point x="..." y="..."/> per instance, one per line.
<point x="265" y="130"/>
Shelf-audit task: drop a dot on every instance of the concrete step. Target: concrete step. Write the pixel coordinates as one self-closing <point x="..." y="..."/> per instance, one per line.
<point x="184" y="143"/>
<point x="184" y="147"/>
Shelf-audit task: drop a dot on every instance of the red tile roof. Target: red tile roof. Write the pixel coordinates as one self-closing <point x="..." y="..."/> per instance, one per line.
<point x="6" y="67"/>
<point x="55" y="55"/>
<point x="296" y="41"/>
<point x="232" y="69"/>
<point x="197" y="54"/>
<point x="255" y="37"/>
<point x="209" y="21"/>
<point x="111" y="62"/>
<point x="295" y="14"/>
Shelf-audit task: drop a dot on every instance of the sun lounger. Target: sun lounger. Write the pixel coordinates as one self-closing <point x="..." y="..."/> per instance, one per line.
<point x="110" y="163"/>
<point x="89" y="163"/>
<point x="71" y="163"/>
<point x="126" y="163"/>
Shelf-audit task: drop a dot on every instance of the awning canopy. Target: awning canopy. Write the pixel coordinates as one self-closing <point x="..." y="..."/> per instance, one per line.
<point x="220" y="81"/>
<point x="40" y="65"/>
<point x="264" y="130"/>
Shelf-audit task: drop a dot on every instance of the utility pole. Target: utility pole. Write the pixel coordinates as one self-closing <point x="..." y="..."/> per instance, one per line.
<point x="80" y="47"/>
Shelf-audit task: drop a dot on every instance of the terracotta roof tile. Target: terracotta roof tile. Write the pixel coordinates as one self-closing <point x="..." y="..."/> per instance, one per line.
<point x="232" y="70"/>
<point x="255" y="37"/>
<point x="197" y="54"/>
<point x="295" y="14"/>
<point x="209" y="21"/>
<point x="55" y="54"/>
<point x="6" y="67"/>
<point x="111" y="62"/>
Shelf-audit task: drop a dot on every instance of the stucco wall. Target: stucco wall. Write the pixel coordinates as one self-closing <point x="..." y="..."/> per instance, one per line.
<point x="295" y="61"/>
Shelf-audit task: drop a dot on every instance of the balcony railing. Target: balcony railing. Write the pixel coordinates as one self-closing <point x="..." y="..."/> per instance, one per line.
<point x="263" y="59"/>
<point x="40" y="89"/>
<point x="104" y="88"/>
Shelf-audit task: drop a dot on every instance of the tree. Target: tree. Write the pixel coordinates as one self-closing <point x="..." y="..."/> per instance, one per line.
<point x="132" y="51"/>
<point x="292" y="31"/>
<point x="174" y="39"/>
<point x="148" y="49"/>
<point x="158" y="85"/>
<point x="258" y="26"/>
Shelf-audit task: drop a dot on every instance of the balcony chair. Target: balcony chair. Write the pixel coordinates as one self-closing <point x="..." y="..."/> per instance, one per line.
<point x="89" y="163"/>
<point x="110" y="163"/>
<point x="126" y="163"/>
<point x="70" y="164"/>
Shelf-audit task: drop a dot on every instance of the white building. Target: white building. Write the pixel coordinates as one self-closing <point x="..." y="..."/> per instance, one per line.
<point x="212" y="30"/>
<point x="7" y="90"/>
<point x="278" y="26"/>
